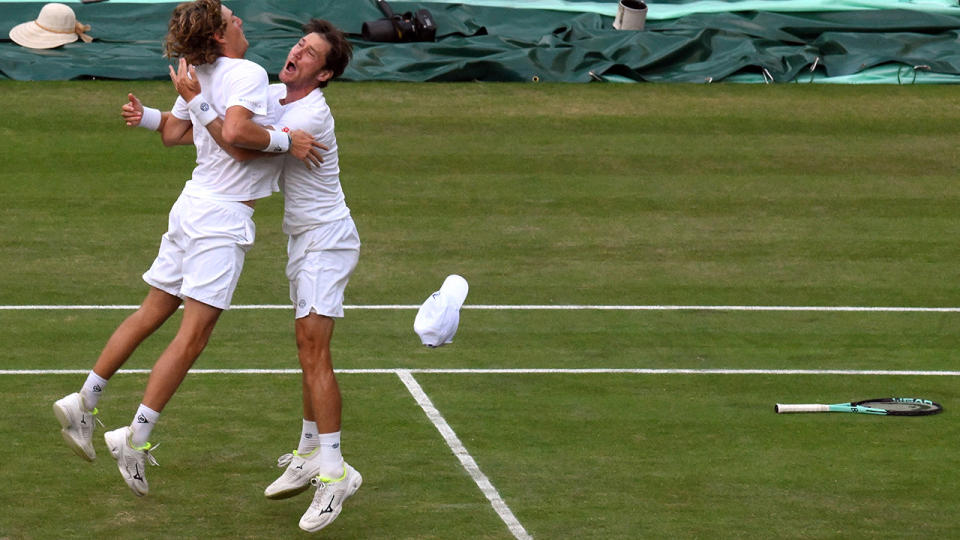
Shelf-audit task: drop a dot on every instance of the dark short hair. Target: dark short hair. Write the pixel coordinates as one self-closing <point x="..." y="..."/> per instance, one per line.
<point x="340" y="49"/>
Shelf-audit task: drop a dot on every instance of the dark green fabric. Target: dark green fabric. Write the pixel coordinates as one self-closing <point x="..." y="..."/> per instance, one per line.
<point x="501" y="44"/>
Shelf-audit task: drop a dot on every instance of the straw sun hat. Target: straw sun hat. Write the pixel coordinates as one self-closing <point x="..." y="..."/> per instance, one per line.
<point x="56" y="25"/>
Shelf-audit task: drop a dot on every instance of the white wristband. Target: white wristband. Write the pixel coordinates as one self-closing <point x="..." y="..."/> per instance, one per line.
<point x="151" y="118"/>
<point x="279" y="142"/>
<point x="202" y="110"/>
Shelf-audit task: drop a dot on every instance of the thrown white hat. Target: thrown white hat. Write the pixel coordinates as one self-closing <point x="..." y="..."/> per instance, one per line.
<point x="439" y="316"/>
<point x="56" y="25"/>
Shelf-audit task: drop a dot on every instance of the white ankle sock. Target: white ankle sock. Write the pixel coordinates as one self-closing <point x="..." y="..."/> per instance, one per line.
<point x="142" y="425"/>
<point x="92" y="389"/>
<point x="331" y="458"/>
<point x="308" y="438"/>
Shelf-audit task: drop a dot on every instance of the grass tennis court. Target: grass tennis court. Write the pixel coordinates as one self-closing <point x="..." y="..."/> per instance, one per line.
<point x="548" y="195"/>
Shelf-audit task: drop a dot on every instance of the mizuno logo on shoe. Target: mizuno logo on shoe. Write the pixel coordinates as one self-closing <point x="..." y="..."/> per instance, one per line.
<point x="137" y="475"/>
<point x="329" y="507"/>
<point x="300" y="466"/>
<point x="83" y="419"/>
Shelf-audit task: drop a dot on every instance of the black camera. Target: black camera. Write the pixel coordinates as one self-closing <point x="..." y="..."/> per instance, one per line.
<point x="411" y="26"/>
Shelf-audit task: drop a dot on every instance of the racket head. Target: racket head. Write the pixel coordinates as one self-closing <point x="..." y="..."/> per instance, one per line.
<point x="902" y="406"/>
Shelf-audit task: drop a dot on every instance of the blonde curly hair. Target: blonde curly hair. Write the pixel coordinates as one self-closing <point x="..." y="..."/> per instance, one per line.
<point x="191" y="31"/>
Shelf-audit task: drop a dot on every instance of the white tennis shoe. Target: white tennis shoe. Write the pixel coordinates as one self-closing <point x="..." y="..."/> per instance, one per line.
<point x="329" y="498"/>
<point x="77" y="423"/>
<point x="296" y="479"/>
<point x="131" y="461"/>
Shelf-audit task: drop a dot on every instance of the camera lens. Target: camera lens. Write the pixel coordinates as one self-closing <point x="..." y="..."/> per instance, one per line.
<point x="379" y="30"/>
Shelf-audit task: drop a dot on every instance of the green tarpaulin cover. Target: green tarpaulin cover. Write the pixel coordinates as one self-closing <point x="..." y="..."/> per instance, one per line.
<point x="571" y="41"/>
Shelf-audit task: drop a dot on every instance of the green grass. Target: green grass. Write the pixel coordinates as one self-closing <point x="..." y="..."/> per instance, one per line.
<point x="785" y="195"/>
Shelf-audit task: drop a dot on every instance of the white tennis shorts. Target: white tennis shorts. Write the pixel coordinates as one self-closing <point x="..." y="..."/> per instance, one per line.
<point x="201" y="254"/>
<point x="319" y="265"/>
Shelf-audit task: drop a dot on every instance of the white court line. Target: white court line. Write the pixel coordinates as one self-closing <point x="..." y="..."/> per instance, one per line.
<point x="457" y="447"/>
<point x="534" y="307"/>
<point x="521" y="371"/>
<point x="893" y="309"/>
<point x="463" y="455"/>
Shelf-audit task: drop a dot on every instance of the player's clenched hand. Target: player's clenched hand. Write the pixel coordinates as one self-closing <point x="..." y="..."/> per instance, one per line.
<point x="132" y="111"/>
<point x="306" y="149"/>
<point x="185" y="80"/>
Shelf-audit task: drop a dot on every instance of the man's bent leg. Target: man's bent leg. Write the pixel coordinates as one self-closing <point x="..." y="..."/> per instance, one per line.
<point x="76" y="412"/>
<point x="128" y="445"/>
<point x="156" y="308"/>
<point x="170" y="369"/>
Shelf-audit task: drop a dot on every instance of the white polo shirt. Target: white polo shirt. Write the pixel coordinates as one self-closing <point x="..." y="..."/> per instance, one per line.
<point x="225" y="83"/>
<point x="312" y="196"/>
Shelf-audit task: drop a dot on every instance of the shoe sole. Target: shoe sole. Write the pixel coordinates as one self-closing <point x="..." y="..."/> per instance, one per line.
<point x="64" y="420"/>
<point x="287" y="493"/>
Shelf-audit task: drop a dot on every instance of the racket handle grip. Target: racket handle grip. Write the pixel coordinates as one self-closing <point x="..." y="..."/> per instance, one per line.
<point x="782" y="408"/>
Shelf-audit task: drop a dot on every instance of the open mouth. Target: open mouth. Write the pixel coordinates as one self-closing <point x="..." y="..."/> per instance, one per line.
<point x="290" y="67"/>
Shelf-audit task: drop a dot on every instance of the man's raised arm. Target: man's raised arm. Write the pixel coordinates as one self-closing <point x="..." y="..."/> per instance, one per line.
<point x="173" y="131"/>
<point x="237" y="129"/>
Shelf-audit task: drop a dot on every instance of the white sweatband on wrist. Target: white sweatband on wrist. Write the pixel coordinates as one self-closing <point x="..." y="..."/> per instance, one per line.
<point x="279" y="142"/>
<point x="151" y="118"/>
<point x="202" y="110"/>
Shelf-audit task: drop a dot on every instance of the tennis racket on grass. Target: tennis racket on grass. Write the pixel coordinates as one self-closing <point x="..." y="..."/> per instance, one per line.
<point x="892" y="406"/>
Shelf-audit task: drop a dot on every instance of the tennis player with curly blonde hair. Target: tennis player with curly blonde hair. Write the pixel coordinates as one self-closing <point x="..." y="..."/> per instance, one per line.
<point x="209" y="232"/>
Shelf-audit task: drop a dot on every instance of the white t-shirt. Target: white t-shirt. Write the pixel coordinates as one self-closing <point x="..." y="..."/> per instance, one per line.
<point x="311" y="197"/>
<point x="225" y="83"/>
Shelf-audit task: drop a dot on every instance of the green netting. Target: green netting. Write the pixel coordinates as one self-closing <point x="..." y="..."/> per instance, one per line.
<point x="671" y="9"/>
<point x="568" y="41"/>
